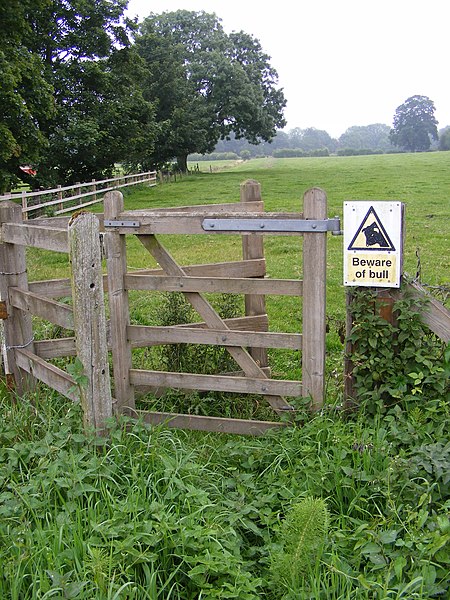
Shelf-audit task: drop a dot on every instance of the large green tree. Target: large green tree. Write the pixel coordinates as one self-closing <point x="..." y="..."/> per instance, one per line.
<point x="26" y="100"/>
<point x="207" y="84"/>
<point x="101" y="116"/>
<point x="415" y="125"/>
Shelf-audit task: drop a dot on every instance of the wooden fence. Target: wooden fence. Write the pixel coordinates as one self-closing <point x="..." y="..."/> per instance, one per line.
<point x="95" y="340"/>
<point x="67" y="199"/>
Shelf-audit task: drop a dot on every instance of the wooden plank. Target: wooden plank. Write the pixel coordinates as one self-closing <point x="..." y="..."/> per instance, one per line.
<point x="56" y="348"/>
<point x="213" y="424"/>
<point x="49" y="374"/>
<point x="237" y="285"/>
<point x="32" y="235"/>
<point x="17" y="328"/>
<point x="50" y="310"/>
<point x="235" y="268"/>
<point x="226" y="207"/>
<point x="90" y="320"/>
<point x="253" y="247"/>
<point x="51" y="288"/>
<point x="314" y="300"/>
<point x="256" y="323"/>
<point x="190" y="223"/>
<point x="116" y="265"/>
<point x="59" y="288"/>
<point x="436" y="316"/>
<point x="206" y="311"/>
<point x="52" y="222"/>
<point x="141" y="336"/>
<point x="158" y="391"/>
<point x="218" y="383"/>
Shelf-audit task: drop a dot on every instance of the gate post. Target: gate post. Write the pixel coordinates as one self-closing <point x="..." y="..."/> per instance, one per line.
<point x="90" y="319"/>
<point x="314" y="300"/>
<point x="116" y="264"/>
<point x="253" y="247"/>
<point x="18" y="330"/>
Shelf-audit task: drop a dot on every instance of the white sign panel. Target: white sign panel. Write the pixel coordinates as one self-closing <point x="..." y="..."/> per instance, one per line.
<point x="372" y="243"/>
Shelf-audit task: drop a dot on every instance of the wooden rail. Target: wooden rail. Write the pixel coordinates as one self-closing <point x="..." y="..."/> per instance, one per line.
<point x="63" y="199"/>
<point x="436" y="316"/>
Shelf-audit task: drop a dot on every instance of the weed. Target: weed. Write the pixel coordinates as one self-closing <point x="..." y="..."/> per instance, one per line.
<point x="302" y="538"/>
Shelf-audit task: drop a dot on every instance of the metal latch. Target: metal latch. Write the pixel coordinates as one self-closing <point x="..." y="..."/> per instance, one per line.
<point x="274" y="225"/>
<point x="107" y="223"/>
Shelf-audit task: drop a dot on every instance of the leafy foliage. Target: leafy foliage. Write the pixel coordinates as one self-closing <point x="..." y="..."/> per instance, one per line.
<point x="414" y="124"/>
<point x="302" y="538"/>
<point x="25" y="95"/>
<point x="208" y="84"/>
<point x="396" y="363"/>
<point x="156" y="513"/>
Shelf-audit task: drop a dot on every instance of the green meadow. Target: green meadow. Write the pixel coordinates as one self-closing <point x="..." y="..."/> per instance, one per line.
<point x="340" y="506"/>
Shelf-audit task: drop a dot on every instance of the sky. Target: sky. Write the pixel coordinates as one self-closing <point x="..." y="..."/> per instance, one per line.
<point x="341" y="62"/>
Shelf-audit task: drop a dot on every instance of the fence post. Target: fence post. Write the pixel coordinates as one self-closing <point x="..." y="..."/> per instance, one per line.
<point x="253" y="247"/>
<point x="17" y="327"/>
<point x="116" y="264"/>
<point x="24" y="204"/>
<point x="94" y="189"/>
<point x="349" y="390"/>
<point x="60" y="197"/>
<point x="90" y="320"/>
<point x="314" y="300"/>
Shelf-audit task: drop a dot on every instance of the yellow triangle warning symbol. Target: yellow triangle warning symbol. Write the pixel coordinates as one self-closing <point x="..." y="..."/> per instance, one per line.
<point x="371" y="235"/>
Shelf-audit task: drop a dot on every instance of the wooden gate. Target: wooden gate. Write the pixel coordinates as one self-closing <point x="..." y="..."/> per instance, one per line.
<point x="246" y="338"/>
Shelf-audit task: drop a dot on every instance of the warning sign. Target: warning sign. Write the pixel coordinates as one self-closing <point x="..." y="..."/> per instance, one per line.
<point x="372" y="243"/>
<point x="371" y="234"/>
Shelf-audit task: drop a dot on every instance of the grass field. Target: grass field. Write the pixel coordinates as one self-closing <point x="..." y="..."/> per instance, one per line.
<point x="170" y="515"/>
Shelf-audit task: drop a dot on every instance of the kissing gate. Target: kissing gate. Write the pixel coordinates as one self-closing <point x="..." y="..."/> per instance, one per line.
<point x="85" y="236"/>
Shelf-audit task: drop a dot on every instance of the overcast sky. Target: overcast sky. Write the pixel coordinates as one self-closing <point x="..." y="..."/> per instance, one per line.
<point x="341" y="62"/>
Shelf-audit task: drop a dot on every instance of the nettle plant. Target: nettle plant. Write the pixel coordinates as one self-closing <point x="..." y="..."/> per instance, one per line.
<point x="398" y="363"/>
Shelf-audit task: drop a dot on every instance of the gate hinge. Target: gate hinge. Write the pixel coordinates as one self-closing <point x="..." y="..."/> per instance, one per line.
<point x="274" y="225"/>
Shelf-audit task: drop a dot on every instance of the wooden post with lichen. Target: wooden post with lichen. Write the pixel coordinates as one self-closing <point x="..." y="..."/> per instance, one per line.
<point x="314" y="300"/>
<point x="253" y="247"/>
<point x="90" y="320"/>
<point x="116" y="264"/>
<point x="17" y="325"/>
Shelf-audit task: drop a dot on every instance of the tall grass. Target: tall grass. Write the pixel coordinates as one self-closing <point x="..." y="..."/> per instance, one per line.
<point x="162" y="514"/>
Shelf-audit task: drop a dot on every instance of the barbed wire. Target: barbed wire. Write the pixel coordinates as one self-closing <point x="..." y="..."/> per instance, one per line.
<point x="440" y="292"/>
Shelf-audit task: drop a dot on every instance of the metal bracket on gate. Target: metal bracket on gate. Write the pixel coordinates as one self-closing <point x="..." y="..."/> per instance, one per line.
<point x="274" y="225"/>
<point x="107" y="223"/>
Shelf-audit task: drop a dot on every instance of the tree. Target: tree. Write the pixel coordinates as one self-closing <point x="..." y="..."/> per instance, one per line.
<point x="207" y="84"/>
<point x="26" y="98"/>
<point x="414" y="125"/>
<point x="444" y="139"/>
<point x="101" y="116"/>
